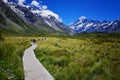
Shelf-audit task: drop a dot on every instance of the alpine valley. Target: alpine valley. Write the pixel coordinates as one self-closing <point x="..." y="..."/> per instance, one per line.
<point x="85" y="50"/>
<point x="28" y="19"/>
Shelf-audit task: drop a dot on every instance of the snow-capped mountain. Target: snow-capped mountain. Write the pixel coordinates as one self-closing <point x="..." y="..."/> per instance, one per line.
<point x="37" y="14"/>
<point x="88" y="25"/>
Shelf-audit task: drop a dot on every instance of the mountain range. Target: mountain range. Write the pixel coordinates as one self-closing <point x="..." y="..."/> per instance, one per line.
<point x="22" y="18"/>
<point x="30" y="18"/>
<point x="88" y="25"/>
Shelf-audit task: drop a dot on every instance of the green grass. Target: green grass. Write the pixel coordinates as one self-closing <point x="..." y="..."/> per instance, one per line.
<point x="11" y="52"/>
<point x="84" y="57"/>
<point x="10" y="62"/>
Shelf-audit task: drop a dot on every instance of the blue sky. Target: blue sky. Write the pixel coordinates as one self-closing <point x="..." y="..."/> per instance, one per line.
<point x="71" y="10"/>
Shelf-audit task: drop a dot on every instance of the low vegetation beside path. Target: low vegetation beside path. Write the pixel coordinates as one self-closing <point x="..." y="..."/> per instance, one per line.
<point x="93" y="57"/>
<point x="83" y="57"/>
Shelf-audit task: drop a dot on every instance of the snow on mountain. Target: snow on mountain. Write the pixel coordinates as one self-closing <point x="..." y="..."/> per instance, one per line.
<point x="46" y="13"/>
<point x="38" y="14"/>
<point x="36" y="8"/>
<point x="5" y="1"/>
<point x="21" y="2"/>
<point x="82" y="18"/>
<point x="13" y="7"/>
<point x="43" y="11"/>
<point x="88" y="25"/>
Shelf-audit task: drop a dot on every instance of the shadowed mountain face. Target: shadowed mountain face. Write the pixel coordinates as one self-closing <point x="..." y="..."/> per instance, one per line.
<point x="10" y="22"/>
<point x="7" y="16"/>
<point x="88" y="25"/>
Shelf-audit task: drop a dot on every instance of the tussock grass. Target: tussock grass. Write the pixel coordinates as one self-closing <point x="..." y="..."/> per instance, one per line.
<point x="89" y="57"/>
<point x="11" y="52"/>
<point x="82" y="58"/>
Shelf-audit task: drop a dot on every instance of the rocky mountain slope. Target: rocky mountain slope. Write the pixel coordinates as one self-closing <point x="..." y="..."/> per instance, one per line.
<point x="38" y="15"/>
<point x="10" y="22"/>
<point x="30" y="17"/>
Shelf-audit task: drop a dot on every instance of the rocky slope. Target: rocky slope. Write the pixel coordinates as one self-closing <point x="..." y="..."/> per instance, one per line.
<point x="22" y="18"/>
<point x="38" y="15"/>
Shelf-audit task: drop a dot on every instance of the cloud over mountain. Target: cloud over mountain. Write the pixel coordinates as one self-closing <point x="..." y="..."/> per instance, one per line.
<point x="37" y="4"/>
<point x="21" y="2"/>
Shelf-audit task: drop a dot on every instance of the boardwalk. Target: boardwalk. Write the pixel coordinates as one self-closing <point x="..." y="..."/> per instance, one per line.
<point x="33" y="69"/>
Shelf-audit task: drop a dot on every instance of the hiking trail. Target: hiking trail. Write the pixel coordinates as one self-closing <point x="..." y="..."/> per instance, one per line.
<point x="33" y="69"/>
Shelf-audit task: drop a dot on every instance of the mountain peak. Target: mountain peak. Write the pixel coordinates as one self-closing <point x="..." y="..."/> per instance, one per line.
<point x="82" y="18"/>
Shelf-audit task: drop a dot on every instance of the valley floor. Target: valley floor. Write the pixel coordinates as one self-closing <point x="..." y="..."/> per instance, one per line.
<point x="84" y="57"/>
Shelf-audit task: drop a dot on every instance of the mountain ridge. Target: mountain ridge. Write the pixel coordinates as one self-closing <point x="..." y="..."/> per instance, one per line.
<point x="46" y="16"/>
<point x="89" y="25"/>
<point x="28" y="21"/>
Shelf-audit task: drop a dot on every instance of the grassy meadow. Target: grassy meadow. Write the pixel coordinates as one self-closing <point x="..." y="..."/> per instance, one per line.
<point x="83" y="57"/>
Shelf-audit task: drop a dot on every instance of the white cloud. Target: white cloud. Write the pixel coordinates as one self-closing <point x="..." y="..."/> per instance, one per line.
<point x="5" y="1"/>
<point x="21" y="2"/>
<point x="35" y="3"/>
